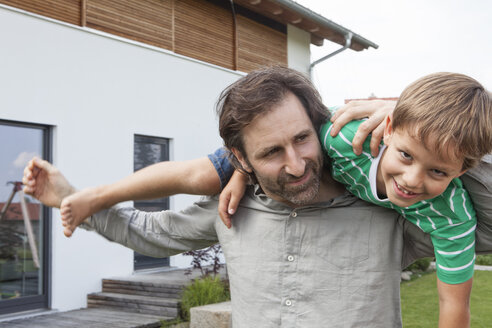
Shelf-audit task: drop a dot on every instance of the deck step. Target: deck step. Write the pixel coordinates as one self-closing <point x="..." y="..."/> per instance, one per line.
<point x="134" y="287"/>
<point x="88" y="318"/>
<point x="134" y="303"/>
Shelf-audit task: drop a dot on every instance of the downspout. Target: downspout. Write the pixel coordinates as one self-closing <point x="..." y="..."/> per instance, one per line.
<point x="348" y="42"/>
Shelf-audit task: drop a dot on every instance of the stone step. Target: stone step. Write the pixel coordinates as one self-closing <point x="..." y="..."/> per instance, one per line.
<point x="216" y="315"/>
<point x="167" y="307"/>
<point x="143" y="288"/>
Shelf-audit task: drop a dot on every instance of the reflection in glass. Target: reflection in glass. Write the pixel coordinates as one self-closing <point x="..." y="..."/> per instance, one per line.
<point x="21" y="218"/>
<point x="148" y="151"/>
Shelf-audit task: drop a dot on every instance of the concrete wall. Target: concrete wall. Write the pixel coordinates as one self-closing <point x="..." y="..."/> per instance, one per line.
<point x="97" y="91"/>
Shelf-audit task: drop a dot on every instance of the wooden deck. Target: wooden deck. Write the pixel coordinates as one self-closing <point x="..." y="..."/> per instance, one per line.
<point x="137" y="301"/>
<point x="87" y="318"/>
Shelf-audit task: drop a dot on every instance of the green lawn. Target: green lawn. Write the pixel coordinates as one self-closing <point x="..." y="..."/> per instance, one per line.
<point x="420" y="308"/>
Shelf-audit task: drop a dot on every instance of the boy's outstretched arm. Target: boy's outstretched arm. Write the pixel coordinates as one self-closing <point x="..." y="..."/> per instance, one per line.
<point x="374" y="110"/>
<point x="454" y="304"/>
<point x="163" y="179"/>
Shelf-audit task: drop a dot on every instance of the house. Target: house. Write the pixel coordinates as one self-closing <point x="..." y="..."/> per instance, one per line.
<point x="104" y="87"/>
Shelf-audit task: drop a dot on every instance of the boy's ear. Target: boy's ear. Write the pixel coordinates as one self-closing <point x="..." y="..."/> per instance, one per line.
<point x="241" y="160"/>
<point x="388" y="129"/>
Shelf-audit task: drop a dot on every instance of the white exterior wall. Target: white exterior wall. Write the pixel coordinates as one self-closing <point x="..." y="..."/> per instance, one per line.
<point x="298" y="53"/>
<point x="97" y="91"/>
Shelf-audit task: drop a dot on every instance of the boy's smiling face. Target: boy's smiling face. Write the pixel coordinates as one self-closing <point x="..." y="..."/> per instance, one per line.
<point x="409" y="172"/>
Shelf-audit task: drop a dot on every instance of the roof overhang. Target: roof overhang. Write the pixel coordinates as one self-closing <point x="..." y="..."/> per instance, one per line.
<point x="320" y="28"/>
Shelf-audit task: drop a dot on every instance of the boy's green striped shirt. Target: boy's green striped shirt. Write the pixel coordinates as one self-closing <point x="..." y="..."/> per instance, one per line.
<point x="449" y="218"/>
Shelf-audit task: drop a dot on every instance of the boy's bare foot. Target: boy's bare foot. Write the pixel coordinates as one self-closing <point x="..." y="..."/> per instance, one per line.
<point x="45" y="182"/>
<point x="77" y="207"/>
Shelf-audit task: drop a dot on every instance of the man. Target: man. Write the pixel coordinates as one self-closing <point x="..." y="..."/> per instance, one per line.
<point x="302" y="252"/>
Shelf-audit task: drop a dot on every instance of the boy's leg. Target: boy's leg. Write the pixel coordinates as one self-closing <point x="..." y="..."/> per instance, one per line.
<point x="478" y="183"/>
<point x="79" y="206"/>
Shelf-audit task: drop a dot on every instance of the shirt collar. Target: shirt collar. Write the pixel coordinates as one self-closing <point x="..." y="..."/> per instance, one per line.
<point x="256" y="193"/>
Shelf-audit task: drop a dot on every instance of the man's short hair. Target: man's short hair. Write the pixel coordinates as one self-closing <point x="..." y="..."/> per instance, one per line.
<point x="256" y="94"/>
<point x="450" y="113"/>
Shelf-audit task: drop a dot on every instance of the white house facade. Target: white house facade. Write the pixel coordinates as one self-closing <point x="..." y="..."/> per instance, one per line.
<point x="86" y="99"/>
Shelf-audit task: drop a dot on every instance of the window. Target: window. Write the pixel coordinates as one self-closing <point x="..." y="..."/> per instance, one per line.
<point x="24" y="222"/>
<point x="148" y="151"/>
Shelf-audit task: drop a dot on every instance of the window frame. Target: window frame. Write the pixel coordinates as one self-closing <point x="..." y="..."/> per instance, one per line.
<point x="42" y="300"/>
<point x="142" y="262"/>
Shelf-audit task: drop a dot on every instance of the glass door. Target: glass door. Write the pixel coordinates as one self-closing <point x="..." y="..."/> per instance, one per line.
<point x="24" y="222"/>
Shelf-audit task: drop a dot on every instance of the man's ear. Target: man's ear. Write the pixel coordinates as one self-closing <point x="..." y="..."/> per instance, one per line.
<point x="242" y="160"/>
<point x="388" y="129"/>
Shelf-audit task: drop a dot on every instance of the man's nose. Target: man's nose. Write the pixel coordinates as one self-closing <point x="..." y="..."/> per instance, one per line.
<point x="295" y="164"/>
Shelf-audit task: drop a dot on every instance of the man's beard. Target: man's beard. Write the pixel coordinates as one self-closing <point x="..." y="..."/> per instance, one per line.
<point x="298" y="195"/>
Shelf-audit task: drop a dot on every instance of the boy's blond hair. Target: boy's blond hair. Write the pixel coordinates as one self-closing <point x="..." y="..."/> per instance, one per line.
<point x="450" y="113"/>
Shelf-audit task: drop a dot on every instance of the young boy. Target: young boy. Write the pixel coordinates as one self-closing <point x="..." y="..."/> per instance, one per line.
<point x="441" y="126"/>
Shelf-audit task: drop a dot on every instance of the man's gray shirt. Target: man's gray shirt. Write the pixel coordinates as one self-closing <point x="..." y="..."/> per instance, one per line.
<point x="325" y="265"/>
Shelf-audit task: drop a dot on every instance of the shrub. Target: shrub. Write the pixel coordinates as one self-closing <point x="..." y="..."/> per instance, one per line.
<point x="484" y="260"/>
<point x="203" y="257"/>
<point x="207" y="290"/>
<point x="419" y="265"/>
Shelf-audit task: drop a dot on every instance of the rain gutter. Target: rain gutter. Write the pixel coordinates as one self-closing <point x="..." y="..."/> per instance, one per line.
<point x="348" y="42"/>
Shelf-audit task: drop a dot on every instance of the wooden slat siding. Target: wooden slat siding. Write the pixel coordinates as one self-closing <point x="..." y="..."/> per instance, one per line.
<point x="147" y="21"/>
<point x="259" y="45"/>
<point x="63" y="10"/>
<point x="173" y="26"/>
<point x="83" y="13"/>
<point x="204" y="31"/>
<point x="193" y="28"/>
<point x="234" y="42"/>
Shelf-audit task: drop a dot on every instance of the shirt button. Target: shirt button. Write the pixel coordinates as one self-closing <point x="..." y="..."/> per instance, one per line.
<point x="294" y="214"/>
<point x="290" y="258"/>
<point x="288" y="302"/>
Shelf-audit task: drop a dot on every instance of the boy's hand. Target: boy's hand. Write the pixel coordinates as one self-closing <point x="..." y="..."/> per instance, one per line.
<point x="45" y="182"/>
<point x="231" y="196"/>
<point x="375" y="110"/>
